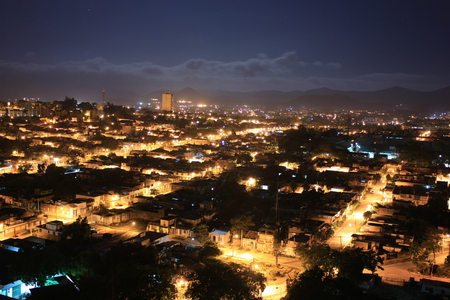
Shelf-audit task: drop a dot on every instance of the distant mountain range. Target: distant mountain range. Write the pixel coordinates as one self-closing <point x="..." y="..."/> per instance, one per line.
<point x="325" y="99"/>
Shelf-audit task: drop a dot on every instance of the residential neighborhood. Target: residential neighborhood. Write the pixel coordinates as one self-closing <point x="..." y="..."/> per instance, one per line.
<point x="252" y="183"/>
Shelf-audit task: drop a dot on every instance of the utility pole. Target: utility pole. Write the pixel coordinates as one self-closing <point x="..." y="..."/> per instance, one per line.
<point x="276" y="200"/>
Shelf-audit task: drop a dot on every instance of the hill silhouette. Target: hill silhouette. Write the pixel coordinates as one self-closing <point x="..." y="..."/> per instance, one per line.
<point x="324" y="98"/>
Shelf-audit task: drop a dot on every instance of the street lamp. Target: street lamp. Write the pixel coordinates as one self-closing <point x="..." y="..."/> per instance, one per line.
<point x="276" y="198"/>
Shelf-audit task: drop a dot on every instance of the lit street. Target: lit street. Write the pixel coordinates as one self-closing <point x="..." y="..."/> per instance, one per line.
<point x="263" y="262"/>
<point x="353" y="223"/>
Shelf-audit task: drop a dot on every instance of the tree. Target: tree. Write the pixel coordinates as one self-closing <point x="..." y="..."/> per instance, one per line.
<point x="240" y="225"/>
<point x="218" y="280"/>
<point x="367" y="214"/>
<point x="244" y="158"/>
<point x="306" y="186"/>
<point x="315" y="256"/>
<point x="351" y="262"/>
<point x="37" y="265"/>
<point x="86" y="264"/>
<point x="279" y="243"/>
<point x="127" y="271"/>
<point x="423" y="252"/>
<point x="209" y="250"/>
<point x="293" y="186"/>
<point x="388" y="178"/>
<point x="78" y="233"/>
<point x="110" y="143"/>
<point x="317" y="284"/>
<point x="202" y="233"/>
<point x="348" y="263"/>
<point x="377" y="177"/>
<point x="324" y="234"/>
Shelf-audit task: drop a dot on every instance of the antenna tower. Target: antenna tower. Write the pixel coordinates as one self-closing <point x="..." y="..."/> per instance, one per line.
<point x="103" y="97"/>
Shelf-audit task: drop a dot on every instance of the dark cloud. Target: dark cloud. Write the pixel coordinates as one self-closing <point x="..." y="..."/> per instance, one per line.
<point x="259" y="66"/>
<point x="285" y="72"/>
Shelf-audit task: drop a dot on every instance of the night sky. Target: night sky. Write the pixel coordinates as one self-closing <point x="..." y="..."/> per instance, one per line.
<point x="56" y="48"/>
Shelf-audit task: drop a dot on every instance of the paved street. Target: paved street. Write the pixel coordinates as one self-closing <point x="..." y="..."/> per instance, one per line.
<point x="404" y="270"/>
<point x="264" y="262"/>
<point x="353" y="223"/>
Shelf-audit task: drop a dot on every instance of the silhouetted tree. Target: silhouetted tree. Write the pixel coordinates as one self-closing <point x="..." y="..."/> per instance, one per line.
<point x="37" y="265"/>
<point x="218" y="280"/>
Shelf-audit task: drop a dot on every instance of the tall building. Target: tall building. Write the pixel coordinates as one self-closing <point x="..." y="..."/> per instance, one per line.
<point x="167" y="101"/>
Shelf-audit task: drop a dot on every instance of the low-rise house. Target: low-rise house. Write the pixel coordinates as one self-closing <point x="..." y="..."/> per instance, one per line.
<point x="17" y="245"/>
<point x="12" y="226"/>
<point x="435" y="287"/>
<point x="113" y="216"/>
<point x="295" y="241"/>
<point x="191" y="218"/>
<point x="163" y="225"/>
<point x="98" y="197"/>
<point x="149" y="238"/>
<point x="68" y="210"/>
<point x="147" y="213"/>
<point x="250" y="240"/>
<point x="51" y="230"/>
<point x="221" y="236"/>
<point x="9" y="287"/>
<point x="418" y="195"/>
<point x="265" y="239"/>
<point x="182" y="231"/>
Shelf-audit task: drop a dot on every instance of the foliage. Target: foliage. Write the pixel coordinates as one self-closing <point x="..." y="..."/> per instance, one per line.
<point x="110" y="143"/>
<point x="7" y="146"/>
<point x="37" y="265"/>
<point x="317" y="284"/>
<point x="279" y="243"/>
<point x="367" y="214"/>
<point x="79" y="232"/>
<point x="331" y="274"/>
<point x="306" y="186"/>
<point x="202" y="233"/>
<point x="377" y="177"/>
<point x="416" y="152"/>
<point x="229" y="195"/>
<point x="127" y="271"/>
<point x="420" y="257"/>
<point x="315" y="256"/>
<point x="218" y="280"/>
<point x="243" y="158"/>
<point x="348" y="262"/>
<point x="240" y="224"/>
<point x="209" y="250"/>
<point x="292" y="185"/>
<point x="86" y="264"/>
<point x="423" y="252"/>
<point x="324" y="234"/>
<point x="351" y="262"/>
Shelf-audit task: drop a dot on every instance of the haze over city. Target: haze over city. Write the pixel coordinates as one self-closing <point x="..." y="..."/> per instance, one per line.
<point x="54" y="49"/>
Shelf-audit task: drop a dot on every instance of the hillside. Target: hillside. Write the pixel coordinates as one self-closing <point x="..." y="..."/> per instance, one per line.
<point x="386" y="99"/>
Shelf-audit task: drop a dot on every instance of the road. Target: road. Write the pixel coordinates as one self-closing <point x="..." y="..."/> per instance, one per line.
<point x="353" y="222"/>
<point x="264" y="263"/>
<point x="403" y="270"/>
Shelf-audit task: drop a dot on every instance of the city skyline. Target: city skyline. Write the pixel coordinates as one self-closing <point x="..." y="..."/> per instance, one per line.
<point x="74" y="49"/>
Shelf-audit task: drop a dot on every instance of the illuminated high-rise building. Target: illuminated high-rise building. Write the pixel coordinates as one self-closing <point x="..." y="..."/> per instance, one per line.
<point x="167" y="101"/>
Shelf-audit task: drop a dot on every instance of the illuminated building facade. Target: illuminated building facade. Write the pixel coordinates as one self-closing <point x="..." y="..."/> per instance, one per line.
<point x="167" y="101"/>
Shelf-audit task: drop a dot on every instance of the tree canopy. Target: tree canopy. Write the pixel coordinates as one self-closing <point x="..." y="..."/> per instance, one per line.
<point x="220" y="281"/>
